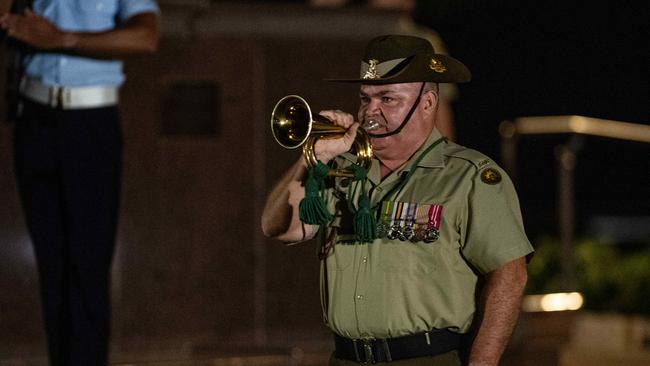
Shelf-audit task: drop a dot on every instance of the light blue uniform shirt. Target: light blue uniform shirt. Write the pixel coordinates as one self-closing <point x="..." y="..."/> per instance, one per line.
<point x="83" y="16"/>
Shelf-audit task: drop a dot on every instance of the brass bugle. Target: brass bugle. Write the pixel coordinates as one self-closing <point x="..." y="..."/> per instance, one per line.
<point x="293" y="125"/>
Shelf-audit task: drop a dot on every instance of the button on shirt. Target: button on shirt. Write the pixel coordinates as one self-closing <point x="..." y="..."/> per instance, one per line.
<point x="391" y="288"/>
<point x="82" y="16"/>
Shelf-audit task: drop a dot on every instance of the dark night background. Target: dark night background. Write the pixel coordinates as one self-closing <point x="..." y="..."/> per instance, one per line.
<point x="195" y="278"/>
<point x="554" y="58"/>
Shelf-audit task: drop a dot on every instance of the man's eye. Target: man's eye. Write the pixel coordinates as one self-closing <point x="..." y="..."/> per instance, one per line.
<point x="386" y="99"/>
<point x="364" y="99"/>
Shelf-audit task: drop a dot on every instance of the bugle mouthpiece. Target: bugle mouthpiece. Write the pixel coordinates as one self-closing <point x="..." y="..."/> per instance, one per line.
<point x="370" y="124"/>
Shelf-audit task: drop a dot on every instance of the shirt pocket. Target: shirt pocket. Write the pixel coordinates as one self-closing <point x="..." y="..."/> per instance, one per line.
<point x="405" y="257"/>
<point x="341" y="249"/>
<point x="343" y="254"/>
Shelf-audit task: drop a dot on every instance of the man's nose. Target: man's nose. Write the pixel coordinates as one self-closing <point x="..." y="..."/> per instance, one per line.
<point x="372" y="108"/>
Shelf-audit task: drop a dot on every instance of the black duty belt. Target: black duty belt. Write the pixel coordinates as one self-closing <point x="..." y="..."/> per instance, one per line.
<point x="373" y="350"/>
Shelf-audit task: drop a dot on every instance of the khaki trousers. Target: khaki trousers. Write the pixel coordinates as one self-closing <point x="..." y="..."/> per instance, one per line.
<point x="445" y="359"/>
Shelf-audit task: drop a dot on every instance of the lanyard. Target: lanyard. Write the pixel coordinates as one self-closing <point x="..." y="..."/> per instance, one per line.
<point x="398" y="188"/>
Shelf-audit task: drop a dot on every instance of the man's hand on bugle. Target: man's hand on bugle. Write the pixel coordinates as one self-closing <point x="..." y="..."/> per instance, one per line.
<point x="327" y="149"/>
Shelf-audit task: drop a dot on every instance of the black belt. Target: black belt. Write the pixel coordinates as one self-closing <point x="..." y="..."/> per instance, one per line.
<point x="391" y="349"/>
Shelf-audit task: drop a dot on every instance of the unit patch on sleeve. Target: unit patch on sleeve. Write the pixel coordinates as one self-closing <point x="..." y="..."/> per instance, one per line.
<point x="490" y="176"/>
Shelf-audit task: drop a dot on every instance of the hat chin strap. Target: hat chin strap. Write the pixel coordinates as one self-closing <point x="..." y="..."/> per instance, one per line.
<point x="404" y="122"/>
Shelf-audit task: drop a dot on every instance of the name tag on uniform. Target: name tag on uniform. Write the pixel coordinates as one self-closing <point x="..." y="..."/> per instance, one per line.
<point x="409" y="221"/>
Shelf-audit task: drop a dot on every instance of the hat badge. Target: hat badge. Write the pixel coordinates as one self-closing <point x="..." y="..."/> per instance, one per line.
<point x="371" y="73"/>
<point x="437" y="66"/>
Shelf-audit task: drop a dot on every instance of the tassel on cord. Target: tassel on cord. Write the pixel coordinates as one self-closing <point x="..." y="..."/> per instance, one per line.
<point x="365" y="226"/>
<point x="312" y="208"/>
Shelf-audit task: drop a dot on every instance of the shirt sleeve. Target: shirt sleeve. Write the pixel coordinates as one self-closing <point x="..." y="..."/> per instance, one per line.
<point x="493" y="231"/>
<point x="129" y="8"/>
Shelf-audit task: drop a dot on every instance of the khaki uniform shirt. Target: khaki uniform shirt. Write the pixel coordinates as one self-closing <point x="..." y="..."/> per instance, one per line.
<point x="391" y="288"/>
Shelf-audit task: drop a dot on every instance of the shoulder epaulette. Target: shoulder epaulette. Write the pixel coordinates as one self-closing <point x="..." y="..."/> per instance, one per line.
<point x="479" y="160"/>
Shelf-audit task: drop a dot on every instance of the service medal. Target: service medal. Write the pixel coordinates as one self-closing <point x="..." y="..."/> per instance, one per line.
<point x="395" y="230"/>
<point x="419" y="234"/>
<point x="381" y="230"/>
<point x="432" y="232"/>
<point x="431" y="235"/>
<point x="407" y="231"/>
<point x="384" y="218"/>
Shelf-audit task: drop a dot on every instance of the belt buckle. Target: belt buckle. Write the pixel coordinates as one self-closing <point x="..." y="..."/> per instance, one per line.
<point x="367" y="349"/>
<point x="55" y="96"/>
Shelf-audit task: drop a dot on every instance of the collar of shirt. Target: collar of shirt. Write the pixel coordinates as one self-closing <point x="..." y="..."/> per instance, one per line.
<point x="434" y="159"/>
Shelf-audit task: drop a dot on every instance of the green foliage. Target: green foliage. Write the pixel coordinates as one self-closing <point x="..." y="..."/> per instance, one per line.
<point x="609" y="279"/>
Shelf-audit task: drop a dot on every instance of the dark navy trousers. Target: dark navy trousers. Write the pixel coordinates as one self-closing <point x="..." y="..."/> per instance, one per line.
<point x="68" y="168"/>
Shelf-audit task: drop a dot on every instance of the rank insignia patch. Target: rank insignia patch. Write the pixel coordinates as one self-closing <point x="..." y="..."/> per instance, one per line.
<point x="490" y="176"/>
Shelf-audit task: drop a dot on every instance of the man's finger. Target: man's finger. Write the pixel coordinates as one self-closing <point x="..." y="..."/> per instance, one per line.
<point x="339" y="118"/>
<point x="351" y="133"/>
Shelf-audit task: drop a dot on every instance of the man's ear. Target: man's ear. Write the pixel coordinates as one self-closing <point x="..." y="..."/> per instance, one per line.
<point x="430" y="102"/>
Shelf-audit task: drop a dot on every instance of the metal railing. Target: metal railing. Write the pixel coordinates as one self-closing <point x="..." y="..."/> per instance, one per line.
<point x="566" y="157"/>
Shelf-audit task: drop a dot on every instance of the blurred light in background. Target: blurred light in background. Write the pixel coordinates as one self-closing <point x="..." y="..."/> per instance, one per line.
<point x="553" y="302"/>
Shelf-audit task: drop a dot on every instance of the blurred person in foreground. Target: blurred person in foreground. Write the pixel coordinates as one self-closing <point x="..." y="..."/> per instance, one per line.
<point x="68" y="157"/>
<point x="423" y="254"/>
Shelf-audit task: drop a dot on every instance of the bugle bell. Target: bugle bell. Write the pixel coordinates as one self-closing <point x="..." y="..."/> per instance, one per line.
<point x="293" y="125"/>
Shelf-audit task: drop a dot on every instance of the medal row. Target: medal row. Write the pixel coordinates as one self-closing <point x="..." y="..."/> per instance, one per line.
<point x="407" y="233"/>
<point x="409" y="221"/>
